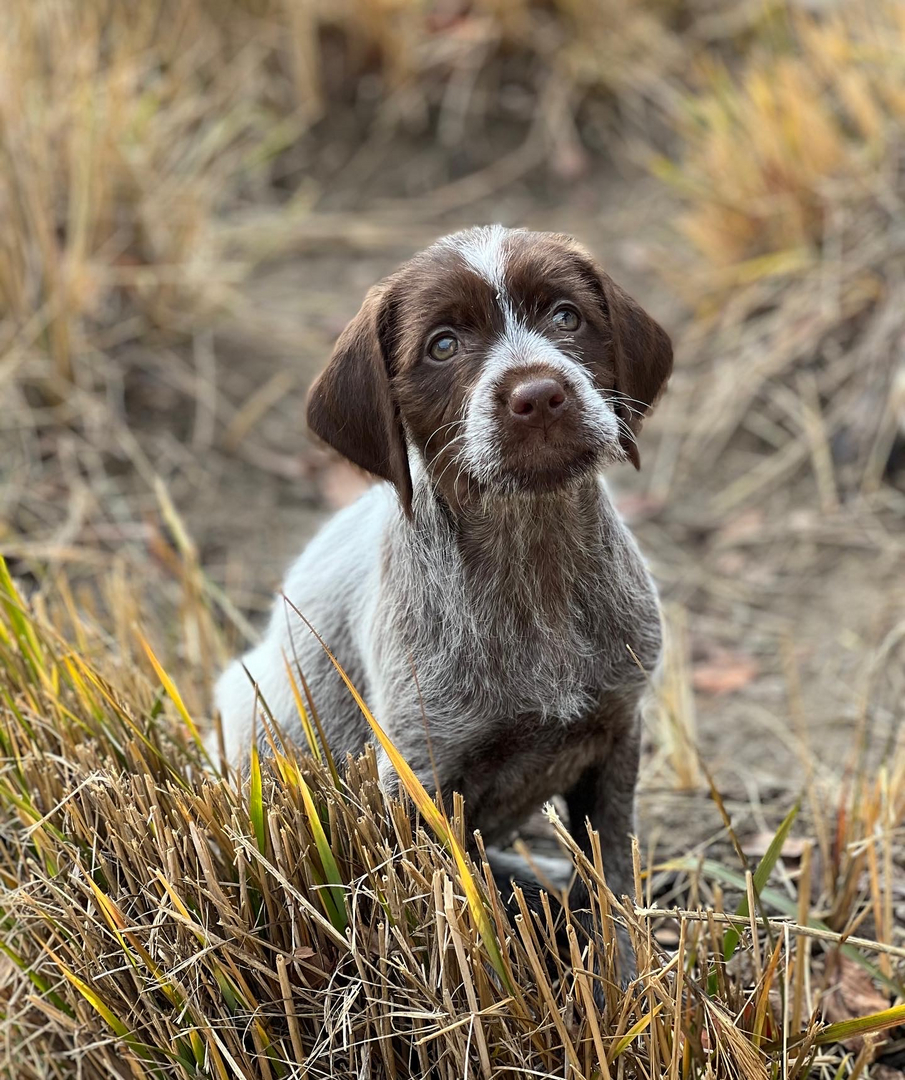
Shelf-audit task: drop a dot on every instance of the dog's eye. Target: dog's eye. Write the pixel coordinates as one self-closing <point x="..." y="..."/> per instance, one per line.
<point x="443" y="347"/>
<point x="566" y="318"/>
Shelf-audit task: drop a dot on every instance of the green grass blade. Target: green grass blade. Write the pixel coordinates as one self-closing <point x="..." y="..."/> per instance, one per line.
<point x="761" y="877"/>
<point x="862" y="1025"/>
<point x="256" y="812"/>
<point x="633" y="1032"/>
<point x="176" y="698"/>
<point x="786" y="906"/>
<point x="94" y="1000"/>
<point x="304" y="719"/>
<point x="36" y="980"/>
<point x="848" y="1029"/>
<point x="336" y="909"/>
<point x="19" y="623"/>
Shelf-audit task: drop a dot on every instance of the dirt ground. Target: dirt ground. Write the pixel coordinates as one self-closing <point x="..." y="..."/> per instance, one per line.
<point x="776" y="606"/>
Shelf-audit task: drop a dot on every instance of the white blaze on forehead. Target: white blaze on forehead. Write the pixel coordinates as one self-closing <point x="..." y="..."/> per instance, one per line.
<point x="520" y="347"/>
<point x="483" y="250"/>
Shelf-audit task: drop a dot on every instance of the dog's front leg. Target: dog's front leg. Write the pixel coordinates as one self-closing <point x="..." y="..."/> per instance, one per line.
<point x="604" y="797"/>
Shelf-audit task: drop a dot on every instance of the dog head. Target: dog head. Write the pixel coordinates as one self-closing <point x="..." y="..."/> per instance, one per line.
<point x="501" y="360"/>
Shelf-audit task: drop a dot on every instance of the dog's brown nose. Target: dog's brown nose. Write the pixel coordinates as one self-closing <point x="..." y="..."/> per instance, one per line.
<point x="537" y="401"/>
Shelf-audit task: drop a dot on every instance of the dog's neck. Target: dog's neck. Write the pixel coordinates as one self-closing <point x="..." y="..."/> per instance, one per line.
<point x="529" y="529"/>
<point x="524" y="604"/>
<point x="539" y="551"/>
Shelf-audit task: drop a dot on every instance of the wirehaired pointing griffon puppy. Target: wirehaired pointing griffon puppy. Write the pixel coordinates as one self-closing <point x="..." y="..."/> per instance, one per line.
<point x="488" y="381"/>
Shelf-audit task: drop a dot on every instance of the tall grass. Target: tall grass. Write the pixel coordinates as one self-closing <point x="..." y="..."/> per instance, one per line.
<point x="789" y="165"/>
<point x="124" y="129"/>
<point x="808" y="126"/>
<point x="159" y="920"/>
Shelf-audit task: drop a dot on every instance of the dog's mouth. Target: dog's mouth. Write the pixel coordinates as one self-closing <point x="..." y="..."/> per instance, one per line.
<point x="552" y="474"/>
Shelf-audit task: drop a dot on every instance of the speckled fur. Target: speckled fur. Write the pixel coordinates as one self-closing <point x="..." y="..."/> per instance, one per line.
<point x="524" y="610"/>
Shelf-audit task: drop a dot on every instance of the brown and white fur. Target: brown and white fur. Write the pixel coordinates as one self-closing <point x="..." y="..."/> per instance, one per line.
<point x="492" y="565"/>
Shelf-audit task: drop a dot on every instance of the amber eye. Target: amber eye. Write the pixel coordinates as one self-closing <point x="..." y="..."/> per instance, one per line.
<point x="566" y="318"/>
<point x="443" y="347"/>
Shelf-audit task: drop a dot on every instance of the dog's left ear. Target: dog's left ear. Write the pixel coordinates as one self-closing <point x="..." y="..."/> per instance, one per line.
<point x="351" y="404"/>
<point x="643" y="357"/>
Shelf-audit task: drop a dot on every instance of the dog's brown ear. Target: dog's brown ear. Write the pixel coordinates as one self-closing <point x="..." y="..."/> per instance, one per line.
<point x="643" y="356"/>
<point x="351" y="404"/>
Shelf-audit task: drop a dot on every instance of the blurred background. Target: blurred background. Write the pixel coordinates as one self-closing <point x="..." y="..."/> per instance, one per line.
<point x="195" y="195"/>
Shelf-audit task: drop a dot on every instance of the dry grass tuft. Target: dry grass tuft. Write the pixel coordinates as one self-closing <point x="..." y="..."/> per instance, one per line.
<point x="123" y="132"/>
<point x="819" y="116"/>
<point x="159" y="920"/>
<point x="791" y="174"/>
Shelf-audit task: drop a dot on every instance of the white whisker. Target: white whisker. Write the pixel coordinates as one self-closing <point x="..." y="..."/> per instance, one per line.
<point x="442" y="427"/>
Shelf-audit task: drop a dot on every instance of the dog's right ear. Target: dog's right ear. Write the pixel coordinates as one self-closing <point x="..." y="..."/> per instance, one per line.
<point x="351" y="404"/>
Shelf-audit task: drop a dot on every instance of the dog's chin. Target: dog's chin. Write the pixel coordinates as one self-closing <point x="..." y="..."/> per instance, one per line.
<point x="544" y="471"/>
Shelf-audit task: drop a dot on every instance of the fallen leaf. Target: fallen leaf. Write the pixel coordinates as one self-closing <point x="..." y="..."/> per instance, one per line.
<point x="724" y="673"/>
<point x="852" y="995"/>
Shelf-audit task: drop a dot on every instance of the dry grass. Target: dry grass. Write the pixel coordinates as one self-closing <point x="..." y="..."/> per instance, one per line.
<point x="122" y="134"/>
<point x="790" y="170"/>
<point x="161" y="921"/>
<point x="819" y="115"/>
<point x="125" y="133"/>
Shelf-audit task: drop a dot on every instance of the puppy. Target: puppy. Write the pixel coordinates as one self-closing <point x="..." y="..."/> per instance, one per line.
<point x="486" y="599"/>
